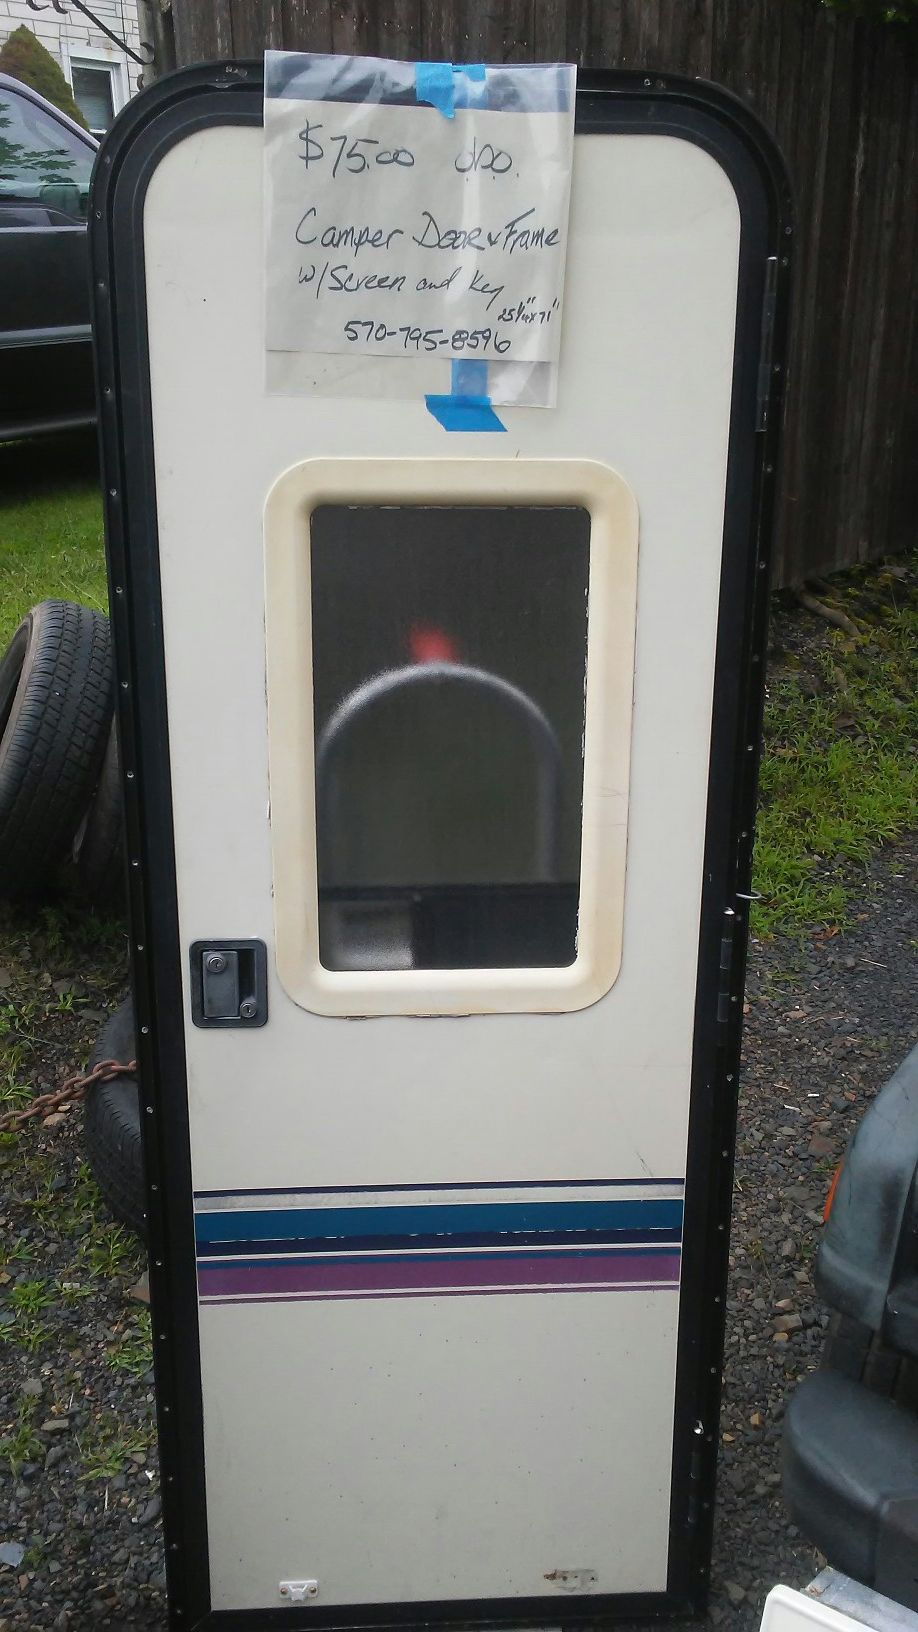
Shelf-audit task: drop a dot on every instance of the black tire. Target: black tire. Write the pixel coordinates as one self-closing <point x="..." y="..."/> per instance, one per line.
<point x="111" y="1124"/>
<point x="98" y="847"/>
<point x="859" y="1353"/>
<point x="55" y="713"/>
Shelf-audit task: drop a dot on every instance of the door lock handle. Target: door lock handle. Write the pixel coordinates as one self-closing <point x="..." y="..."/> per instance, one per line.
<point x="229" y="984"/>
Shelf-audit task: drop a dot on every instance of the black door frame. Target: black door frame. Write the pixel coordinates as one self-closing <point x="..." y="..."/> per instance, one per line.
<point x="607" y="102"/>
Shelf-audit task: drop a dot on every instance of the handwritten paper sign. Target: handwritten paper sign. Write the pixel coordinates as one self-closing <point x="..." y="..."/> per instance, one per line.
<point x="392" y="231"/>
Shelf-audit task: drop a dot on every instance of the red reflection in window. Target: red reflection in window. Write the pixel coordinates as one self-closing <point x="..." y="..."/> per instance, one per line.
<point x="427" y="644"/>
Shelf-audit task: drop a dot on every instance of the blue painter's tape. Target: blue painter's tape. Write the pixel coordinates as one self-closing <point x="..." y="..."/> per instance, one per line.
<point x="468" y="406"/>
<point x="468" y="379"/>
<point x="433" y="83"/>
<point x="464" y="413"/>
<point x="470" y="86"/>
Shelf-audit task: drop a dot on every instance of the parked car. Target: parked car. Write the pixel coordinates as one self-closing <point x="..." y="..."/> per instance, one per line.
<point x="46" y="159"/>
<point x="851" y="1443"/>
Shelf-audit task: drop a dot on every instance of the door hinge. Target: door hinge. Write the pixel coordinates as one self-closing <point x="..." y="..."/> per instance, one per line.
<point x="726" y="998"/>
<point x="696" y="1475"/>
<point x="766" y="346"/>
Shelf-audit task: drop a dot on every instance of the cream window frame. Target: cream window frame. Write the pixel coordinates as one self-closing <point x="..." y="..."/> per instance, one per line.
<point x="607" y="733"/>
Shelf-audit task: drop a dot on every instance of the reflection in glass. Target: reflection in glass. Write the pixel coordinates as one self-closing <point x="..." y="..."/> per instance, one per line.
<point x="449" y="656"/>
<point x="42" y="163"/>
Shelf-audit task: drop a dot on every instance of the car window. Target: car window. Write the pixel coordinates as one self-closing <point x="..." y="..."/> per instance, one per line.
<point x="43" y="165"/>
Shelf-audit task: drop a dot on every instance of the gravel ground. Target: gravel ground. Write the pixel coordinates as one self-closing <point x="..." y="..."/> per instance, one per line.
<point x="827" y="1021"/>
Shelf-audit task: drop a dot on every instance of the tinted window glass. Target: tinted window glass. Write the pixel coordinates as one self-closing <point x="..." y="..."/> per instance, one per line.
<point x="449" y="657"/>
<point x="43" y="165"/>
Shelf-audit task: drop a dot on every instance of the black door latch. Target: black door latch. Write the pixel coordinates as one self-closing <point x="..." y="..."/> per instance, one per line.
<point x="229" y="983"/>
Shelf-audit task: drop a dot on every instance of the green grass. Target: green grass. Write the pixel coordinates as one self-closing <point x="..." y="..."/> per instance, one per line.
<point x="27" y="1301"/>
<point x="16" y="1252"/>
<point x="41" y="1032"/>
<point x="28" y="1298"/>
<point x="133" y="1350"/>
<point x="102" y="1253"/>
<point x="840" y="769"/>
<point x="50" y="527"/>
<point x="19" y="1441"/>
<point x="106" y="1446"/>
<point x="110" y="1250"/>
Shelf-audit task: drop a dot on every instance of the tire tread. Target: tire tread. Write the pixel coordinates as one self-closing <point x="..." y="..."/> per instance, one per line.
<point x="51" y="753"/>
<point x="111" y="1125"/>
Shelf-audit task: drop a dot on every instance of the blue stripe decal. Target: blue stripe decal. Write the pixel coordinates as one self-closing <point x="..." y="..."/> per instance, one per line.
<point x="340" y="1223"/>
<point x="418" y="1243"/>
<point x="394" y="1243"/>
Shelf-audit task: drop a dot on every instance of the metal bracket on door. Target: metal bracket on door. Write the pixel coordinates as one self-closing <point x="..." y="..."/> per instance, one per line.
<point x="229" y="983"/>
<point x="298" y="1591"/>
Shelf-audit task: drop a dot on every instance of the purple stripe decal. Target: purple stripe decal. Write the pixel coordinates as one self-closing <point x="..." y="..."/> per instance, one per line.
<point x="420" y="1275"/>
<point x="457" y="1292"/>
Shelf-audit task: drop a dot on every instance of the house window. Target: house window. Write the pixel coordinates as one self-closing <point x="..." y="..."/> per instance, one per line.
<point x="94" y="93"/>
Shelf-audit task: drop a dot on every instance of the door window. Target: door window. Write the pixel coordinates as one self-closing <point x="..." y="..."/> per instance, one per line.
<point x="449" y="661"/>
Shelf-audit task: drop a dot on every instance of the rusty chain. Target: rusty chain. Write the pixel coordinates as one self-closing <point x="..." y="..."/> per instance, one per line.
<point x="68" y="1093"/>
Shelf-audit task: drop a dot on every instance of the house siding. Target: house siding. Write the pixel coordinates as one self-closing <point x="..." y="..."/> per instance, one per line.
<point x="72" y="36"/>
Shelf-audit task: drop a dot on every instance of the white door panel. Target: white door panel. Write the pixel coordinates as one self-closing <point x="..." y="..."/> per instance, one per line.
<point x="449" y="1360"/>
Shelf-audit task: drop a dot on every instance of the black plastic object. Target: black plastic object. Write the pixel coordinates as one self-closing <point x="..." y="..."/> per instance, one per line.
<point x="851" y="1437"/>
<point x="867" y="1267"/>
<point x="851" y="1481"/>
<point x="111" y="1124"/>
<point x="855" y="1351"/>
<point x="229" y="983"/>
